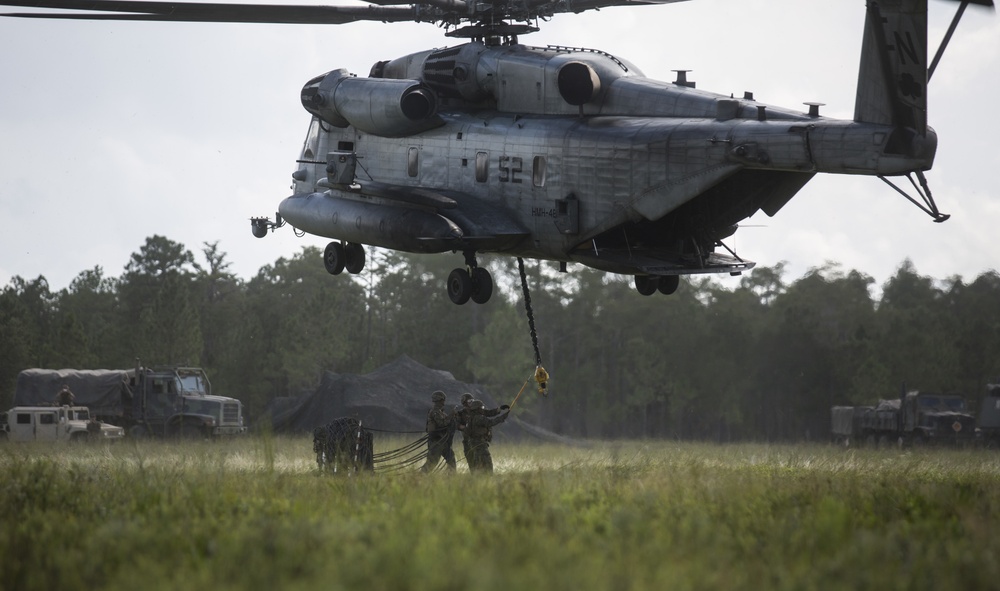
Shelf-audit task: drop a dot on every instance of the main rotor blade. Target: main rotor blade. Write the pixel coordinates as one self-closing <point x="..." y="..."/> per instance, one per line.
<point x="459" y="6"/>
<point x="131" y="10"/>
<point x="557" y="6"/>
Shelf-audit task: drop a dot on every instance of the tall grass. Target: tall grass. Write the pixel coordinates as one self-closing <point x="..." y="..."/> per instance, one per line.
<point x="254" y="513"/>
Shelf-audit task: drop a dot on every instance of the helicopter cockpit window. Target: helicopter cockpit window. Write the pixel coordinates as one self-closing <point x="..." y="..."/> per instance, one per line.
<point x="311" y="145"/>
<point x="482" y="166"/>
<point x="538" y="171"/>
<point x="412" y="161"/>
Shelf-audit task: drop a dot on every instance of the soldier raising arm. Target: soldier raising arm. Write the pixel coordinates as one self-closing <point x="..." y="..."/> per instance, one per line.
<point x="479" y="434"/>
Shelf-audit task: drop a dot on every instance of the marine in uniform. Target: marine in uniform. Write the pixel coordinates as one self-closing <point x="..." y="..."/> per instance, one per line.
<point x="440" y="433"/>
<point x="478" y="433"/>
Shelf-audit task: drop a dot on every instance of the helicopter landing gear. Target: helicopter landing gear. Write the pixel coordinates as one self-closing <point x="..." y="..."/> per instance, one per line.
<point x="649" y="284"/>
<point x="646" y="284"/>
<point x="473" y="282"/>
<point x="355" y="254"/>
<point x="339" y="256"/>
<point x="668" y="284"/>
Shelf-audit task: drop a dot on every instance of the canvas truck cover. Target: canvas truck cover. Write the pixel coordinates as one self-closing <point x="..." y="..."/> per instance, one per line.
<point x="842" y="419"/>
<point x="846" y="420"/>
<point x="100" y="390"/>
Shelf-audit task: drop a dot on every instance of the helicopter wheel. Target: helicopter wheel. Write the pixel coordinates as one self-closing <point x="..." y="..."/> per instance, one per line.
<point x="482" y="285"/>
<point x="354" y="254"/>
<point x="668" y="284"/>
<point x="459" y="286"/>
<point x="334" y="258"/>
<point x="645" y="284"/>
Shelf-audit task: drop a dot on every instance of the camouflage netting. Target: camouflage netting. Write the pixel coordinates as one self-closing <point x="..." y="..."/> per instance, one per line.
<point x="395" y="397"/>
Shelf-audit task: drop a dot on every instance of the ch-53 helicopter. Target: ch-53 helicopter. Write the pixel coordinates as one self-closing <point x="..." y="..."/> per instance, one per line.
<point x="559" y="153"/>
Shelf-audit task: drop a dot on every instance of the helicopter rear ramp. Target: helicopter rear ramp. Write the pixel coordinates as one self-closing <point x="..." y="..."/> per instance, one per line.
<point x="659" y="263"/>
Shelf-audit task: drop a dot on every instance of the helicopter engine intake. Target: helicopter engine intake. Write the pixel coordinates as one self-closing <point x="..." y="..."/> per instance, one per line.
<point x="383" y="107"/>
<point x="578" y="83"/>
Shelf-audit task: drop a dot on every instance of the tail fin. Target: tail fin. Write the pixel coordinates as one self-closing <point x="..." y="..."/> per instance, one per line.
<point x="892" y="81"/>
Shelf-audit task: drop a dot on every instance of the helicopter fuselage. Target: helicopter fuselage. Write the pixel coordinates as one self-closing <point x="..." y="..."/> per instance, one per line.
<point x="560" y="153"/>
<point x="566" y="155"/>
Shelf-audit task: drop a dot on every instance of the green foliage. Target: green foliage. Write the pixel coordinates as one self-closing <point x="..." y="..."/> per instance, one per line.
<point x="501" y="357"/>
<point x="253" y="514"/>
<point x="761" y="361"/>
<point x="159" y="322"/>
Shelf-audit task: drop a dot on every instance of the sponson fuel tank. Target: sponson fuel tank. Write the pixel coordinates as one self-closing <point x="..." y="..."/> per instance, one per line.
<point x="387" y="108"/>
<point x="384" y="225"/>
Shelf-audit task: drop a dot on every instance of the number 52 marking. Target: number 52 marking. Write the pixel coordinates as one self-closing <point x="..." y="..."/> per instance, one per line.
<point x="510" y="167"/>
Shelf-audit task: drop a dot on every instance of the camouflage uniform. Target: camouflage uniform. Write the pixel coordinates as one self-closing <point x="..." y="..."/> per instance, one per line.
<point x="440" y="432"/>
<point x="65" y="397"/>
<point x="478" y="433"/>
<point x="462" y="414"/>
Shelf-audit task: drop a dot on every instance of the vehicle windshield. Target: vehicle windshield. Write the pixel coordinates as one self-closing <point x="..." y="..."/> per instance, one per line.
<point x="956" y="403"/>
<point x="192" y="383"/>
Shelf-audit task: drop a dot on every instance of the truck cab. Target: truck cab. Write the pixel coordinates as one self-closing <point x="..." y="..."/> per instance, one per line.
<point x="56" y="423"/>
<point x="177" y="401"/>
<point x="934" y="418"/>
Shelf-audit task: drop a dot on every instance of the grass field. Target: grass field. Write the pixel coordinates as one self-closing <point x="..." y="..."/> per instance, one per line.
<point x="254" y="513"/>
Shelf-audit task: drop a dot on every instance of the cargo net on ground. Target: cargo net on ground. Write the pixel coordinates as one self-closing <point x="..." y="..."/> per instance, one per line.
<point x="346" y="446"/>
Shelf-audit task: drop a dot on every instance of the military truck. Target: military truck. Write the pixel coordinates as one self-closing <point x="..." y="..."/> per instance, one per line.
<point x="989" y="417"/>
<point x="55" y="423"/>
<point x="917" y="418"/>
<point x="846" y="424"/>
<point x="158" y="401"/>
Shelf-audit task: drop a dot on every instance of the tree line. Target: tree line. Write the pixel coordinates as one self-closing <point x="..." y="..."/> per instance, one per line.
<point x="762" y="361"/>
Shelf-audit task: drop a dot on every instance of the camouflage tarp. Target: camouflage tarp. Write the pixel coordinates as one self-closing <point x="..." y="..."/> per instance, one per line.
<point x="395" y="397"/>
<point x="101" y="390"/>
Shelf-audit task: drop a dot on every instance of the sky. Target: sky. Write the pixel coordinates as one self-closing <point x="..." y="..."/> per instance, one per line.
<point x="113" y="132"/>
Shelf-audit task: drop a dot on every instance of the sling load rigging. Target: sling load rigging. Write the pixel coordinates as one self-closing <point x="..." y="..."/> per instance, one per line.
<point x="541" y="376"/>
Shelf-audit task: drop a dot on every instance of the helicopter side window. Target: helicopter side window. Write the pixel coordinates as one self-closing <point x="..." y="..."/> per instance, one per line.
<point x="538" y="171"/>
<point x="482" y="166"/>
<point x="412" y="161"/>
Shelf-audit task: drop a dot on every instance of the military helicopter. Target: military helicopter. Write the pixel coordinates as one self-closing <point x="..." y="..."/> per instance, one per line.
<point x="564" y="154"/>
